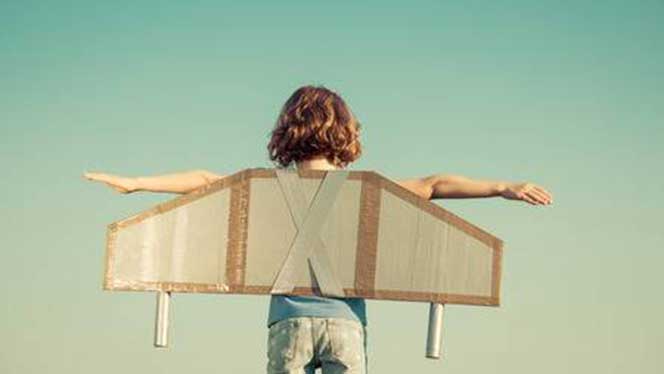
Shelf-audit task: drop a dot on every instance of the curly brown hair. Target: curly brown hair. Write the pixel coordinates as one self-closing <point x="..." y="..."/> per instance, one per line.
<point x="315" y="122"/>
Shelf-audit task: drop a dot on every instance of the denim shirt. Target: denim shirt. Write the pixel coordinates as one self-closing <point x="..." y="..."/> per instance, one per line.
<point x="287" y="306"/>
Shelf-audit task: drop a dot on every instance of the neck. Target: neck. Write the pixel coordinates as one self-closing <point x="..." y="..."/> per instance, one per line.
<point x="316" y="164"/>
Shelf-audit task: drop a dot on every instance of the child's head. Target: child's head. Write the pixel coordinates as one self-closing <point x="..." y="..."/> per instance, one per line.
<point x="315" y="122"/>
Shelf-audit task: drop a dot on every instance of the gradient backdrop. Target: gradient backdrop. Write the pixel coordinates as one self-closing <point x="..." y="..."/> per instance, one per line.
<point x="565" y="94"/>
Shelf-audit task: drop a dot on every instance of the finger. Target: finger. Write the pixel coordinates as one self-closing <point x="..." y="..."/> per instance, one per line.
<point x="540" y="197"/>
<point x="92" y="176"/>
<point x="529" y="199"/>
<point x="545" y="192"/>
<point x="535" y="193"/>
<point x="101" y="177"/>
<point x="117" y="188"/>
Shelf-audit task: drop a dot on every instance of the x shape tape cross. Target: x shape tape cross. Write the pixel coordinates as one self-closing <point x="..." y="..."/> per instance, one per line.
<point x="307" y="243"/>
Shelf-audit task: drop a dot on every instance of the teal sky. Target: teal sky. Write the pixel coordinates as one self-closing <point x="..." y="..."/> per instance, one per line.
<point x="564" y="94"/>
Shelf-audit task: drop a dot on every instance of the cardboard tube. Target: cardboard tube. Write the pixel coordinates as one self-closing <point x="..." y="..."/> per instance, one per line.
<point x="435" y="331"/>
<point x="161" y="320"/>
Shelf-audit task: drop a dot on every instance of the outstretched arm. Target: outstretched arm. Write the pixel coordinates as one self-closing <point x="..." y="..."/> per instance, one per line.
<point x="441" y="186"/>
<point x="181" y="183"/>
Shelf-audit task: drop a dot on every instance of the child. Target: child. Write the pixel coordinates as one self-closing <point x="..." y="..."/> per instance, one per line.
<point x="317" y="130"/>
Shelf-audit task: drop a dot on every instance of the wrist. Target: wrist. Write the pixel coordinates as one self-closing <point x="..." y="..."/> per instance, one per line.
<point x="500" y="188"/>
<point x="134" y="184"/>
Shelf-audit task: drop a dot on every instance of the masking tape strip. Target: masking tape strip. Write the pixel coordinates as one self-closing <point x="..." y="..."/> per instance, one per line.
<point x="496" y="271"/>
<point x="238" y="220"/>
<point x="367" y="234"/>
<point x="319" y="261"/>
<point x="324" y="274"/>
<point x="109" y="260"/>
<point x="309" y="222"/>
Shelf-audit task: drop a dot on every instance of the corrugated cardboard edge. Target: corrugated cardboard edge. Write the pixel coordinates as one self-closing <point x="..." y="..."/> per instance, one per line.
<point x="370" y="177"/>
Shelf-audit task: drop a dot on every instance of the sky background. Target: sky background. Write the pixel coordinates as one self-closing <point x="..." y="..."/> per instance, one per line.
<point x="564" y="94"/>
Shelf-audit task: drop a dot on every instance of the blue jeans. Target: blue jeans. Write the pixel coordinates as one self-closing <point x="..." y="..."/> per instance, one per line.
<point x="300" y="345"/>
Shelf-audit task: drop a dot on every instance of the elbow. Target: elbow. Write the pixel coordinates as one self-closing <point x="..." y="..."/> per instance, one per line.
<point x="446" y="179"/>
<point x="439" y="184"/>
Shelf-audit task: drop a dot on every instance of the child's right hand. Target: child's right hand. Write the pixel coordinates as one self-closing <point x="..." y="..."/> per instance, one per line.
<point x="529" y="192"/>
<point x="118" y="183"/>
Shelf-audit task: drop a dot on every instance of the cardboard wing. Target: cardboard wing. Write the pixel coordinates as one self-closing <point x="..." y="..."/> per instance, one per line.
<point x="305" y="232"/>
<point x="233" y="236"/>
